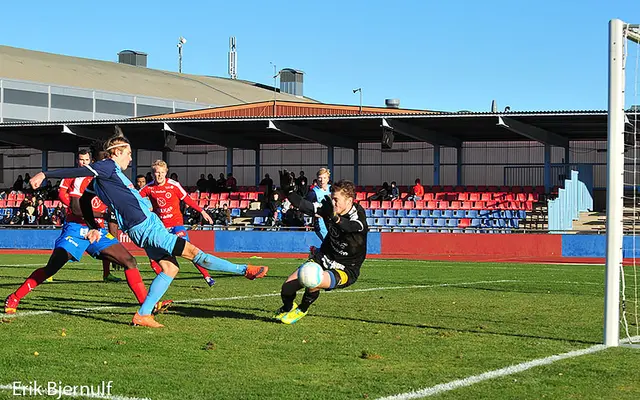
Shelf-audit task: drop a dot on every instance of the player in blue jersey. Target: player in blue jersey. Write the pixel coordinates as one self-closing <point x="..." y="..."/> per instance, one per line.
<point x="315" y="195"/>
<point x="144" y="227"/>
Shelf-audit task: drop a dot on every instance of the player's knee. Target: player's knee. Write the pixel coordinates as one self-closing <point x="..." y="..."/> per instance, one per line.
<point x="130" y="262"/>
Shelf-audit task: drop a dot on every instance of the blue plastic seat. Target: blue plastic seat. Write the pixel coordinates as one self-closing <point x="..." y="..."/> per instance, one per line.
<point x="484" y="213"/>
<point x="453" y="222"/>
<point x="405" y="221"/>
<point x="459" y="214"/>
<point x="392" y="222"/>
<point x="416" y="222"/>
<point x="258" y="220"/>
<point x="370" y="221"/>
<point x="368" y="212"/>
<point x="522" y="214"/>
<point x="476" y="222"/>
<point x="515" y="223"/>
<point x="435" y="213"/>
<point x="378" y="213"/>
<point x="439" y="222"/>
<point x="379" y="221"/>
<point x="472" y="214"/>
<point x="424" y="214"/>
<point x="413" y="213"/>
<point x="235" y="212"/>
<point x="426" y="222"/>
<point x="447" y="214"/>
<point x="401" y="213"/>
<point x="389" y="213"/>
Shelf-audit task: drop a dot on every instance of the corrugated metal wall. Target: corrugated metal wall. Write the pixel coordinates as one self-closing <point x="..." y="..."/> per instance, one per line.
<point x="483" y="163"/>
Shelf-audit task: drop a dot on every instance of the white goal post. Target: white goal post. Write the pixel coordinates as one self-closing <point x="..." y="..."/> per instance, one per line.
<point x="620" y="33"/>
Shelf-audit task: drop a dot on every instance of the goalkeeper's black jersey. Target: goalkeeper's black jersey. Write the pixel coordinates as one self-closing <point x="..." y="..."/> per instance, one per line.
<point x="346" y="241"/>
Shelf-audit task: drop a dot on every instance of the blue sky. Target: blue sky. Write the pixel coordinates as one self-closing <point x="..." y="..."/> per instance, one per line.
<point x="444" y="55"/>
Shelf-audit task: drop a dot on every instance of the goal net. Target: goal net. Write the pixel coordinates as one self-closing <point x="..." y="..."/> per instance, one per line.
<point x="622" y="292"/>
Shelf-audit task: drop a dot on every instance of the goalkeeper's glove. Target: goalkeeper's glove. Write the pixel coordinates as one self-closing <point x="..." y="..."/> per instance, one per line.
<point x="287" y="185"/>
<point x="326" y="209"/>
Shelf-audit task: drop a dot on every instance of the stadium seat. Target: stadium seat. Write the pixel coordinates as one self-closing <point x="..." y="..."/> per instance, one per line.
<point x="515" y="223"/>
<point x="385" y="204"/>
<point x="481" y="188"/>
<point x="431" y="205"/>
<point x="361" y="196"/>
<point x="424" y="213"/>
<point x="401" y="213"/>
<point x="404" y="221"/>
<point x="379" y="221"/>
<point x="463" y="196"/>
<point x="420" y="205"/>
<point x="235" y="212"/>
<point x="464" y="222"/>
<point x="194" y="195"/>
<point x="413" y="213"/>
<point x="408" y="205"/>
<point x="364" y="204"/>
<point x="212" y="204"/>
<point x="439" y="222"/>
<point x="397" y="229"/>
<point x="486" y="196"/>
<point x="484" y="213"/>
<point x="474" y="196"/>
<point x="392" y="222"/>
<point x="202" y="203"/>
<point x="396" y="205"/>
<point x="3" y="203"/>
<point x="214" y="196"/>
<point x="258" y="220"/>
<point x="459" y="214"/>
<point x="458" y="189"/>
<point x="447" y="214"/>
<point x="370" y="221"/>
<point x="452" y="223"/>
<point x="224" y="196"/>
<point x="522" y="214"/>
<point x="389" y="213"/>
<point x="378" y="213"/>
<point x="428" y="196"/>
<point x="234" y="196"/>
<point x="475" y="222"/>
<point x="368" y="213"/>
<point x="244" y="204"/>
<point x="374" y="205"/>
<point x="426" y="222"/>
<point x="435" y="213"/>
<point x="416" y="222"/>
<point x="234" y="204"/>
<point x="443" y="205"/>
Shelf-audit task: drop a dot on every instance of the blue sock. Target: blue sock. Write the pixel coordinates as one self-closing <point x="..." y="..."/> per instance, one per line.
<point x="157" y="289"/>
<point x="213" y="263"/>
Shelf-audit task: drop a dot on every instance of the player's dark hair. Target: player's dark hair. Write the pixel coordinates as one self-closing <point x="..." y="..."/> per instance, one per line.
<point x="82" y="152"/>
<point x="140" y="176"/>
<point x="112" y="144"/>
<point x="97" y="150"/>
<point x="346" y="187"/>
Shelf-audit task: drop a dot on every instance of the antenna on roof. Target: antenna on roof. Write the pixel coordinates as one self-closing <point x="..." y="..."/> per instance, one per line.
<point x="494" y="106"/>
<point x="233" y="58"/>
<point x="181" y="42"/>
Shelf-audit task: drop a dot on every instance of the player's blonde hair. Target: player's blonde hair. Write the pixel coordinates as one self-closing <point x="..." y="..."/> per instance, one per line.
<point x="161" y="164"/>
<point x="323" y="171"/>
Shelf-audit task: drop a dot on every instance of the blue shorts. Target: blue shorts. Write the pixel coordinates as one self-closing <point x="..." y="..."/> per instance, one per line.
<point x="153" y="237"/>
<point x="72" y="240"/>
<point x="179" y="230"/>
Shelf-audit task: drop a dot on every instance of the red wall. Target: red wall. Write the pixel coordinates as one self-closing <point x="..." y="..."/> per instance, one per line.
<point x="486" y="245"/>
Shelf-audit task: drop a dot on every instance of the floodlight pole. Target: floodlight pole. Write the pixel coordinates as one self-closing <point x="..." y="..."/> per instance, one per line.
<point x="359" y="90"/>
<point x="615" y="184"/>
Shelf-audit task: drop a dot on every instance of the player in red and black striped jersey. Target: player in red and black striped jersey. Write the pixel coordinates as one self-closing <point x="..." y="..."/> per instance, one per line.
<point x="342" y="252"/>
<point x="165" y="196"/>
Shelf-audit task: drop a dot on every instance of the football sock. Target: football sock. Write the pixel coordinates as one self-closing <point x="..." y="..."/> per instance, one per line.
<point x="287" y="300"/>
<point x="213" y="263"/>
<point x="134" y="280"/>
<point x="157" y="289"/>
<point x="307" y="299"/>
<point x="37" y="277"/>
<point x="203" y="271"/>
<point x="155" y="266"/>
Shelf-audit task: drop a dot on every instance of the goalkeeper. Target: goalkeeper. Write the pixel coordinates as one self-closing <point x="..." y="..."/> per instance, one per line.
<point x="343" y="249"/>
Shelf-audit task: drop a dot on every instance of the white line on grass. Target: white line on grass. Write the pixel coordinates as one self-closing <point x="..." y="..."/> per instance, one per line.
<point x="497" y="373"/>
<point x="188" y="301"/>
<point x="21" y="390"/>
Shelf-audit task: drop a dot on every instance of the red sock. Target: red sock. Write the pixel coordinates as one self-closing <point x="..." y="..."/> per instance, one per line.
<point x="105" y="268"/>
<point x="203" y="271"/>
<point x="134" y="280"/>
<point x="37" y="277"/>
<point x="156" y="267"/>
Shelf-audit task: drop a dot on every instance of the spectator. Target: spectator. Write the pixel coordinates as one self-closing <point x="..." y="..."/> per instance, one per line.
<point x="293" y="217"/>
<point x="314" y="184"/>
<point x="395" y="192"/>
<point x="275" y="210"/>
<point x="57" y="218"/>
<point x="26" y="186"/>
<point x="148" y="177"/>
<point x="417" y="191"/>
<point x="17" y="185"/>
<point x="174" y="177"/>
<point x="141" y="182"/>
<point x="225" y="214"/>
<point x="384" y="193"/>
<point x="42" y="213"/>
<point x="303" y="185"/>
<point x="212" y="184"/>
<point x="231" y="184"/>
<point x="17" y="219"/>
<point x="202" y="184"/>
<point x="268" y="182"/>
<point x="30" y="211"/>
<point x="222" y="182"/>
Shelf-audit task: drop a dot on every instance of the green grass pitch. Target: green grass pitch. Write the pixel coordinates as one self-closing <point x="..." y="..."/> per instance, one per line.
<point x="418" y="324"/>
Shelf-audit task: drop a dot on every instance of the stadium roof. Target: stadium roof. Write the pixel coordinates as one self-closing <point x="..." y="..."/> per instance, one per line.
<point x="332" y="125"/>
<point x="29" y="65"/>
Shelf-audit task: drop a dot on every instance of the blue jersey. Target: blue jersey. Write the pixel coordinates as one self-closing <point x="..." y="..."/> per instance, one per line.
<point x="316" y="195"/>
<point x="114" y="189"/>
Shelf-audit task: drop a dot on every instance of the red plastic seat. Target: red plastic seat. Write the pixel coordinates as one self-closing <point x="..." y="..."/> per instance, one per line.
<point x="374" y="205"/>
<point x="474" y="196"/>
<point x="420" y="205"/>
<point x="443" y="205"/>
<point x="253" y="195"/>
<point x="479" y="205"/>
<point x="385" y="205"/>
<point x="194" y="195"/>
<point x="408" y="205"/>
<point x="455" y="205"/>
<point x="396" y="205"/>
<point x="428" y="196"/>
<point x="466" y="205"/>
<point x="364" y="204"/>
<point x="361" y="196"/>
<point x="432" y="205"/>
<point x="463" y="196"/>
<point x="213" y="204"/>
<point x="464" y="222"/>
<point x="234" y="196"/>
<point x="234" y="204"/>
<point x="224" y="196"/>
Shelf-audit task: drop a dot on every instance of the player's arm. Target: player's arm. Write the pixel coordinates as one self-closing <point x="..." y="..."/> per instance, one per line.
<point x="184" y="196"/>
<point x="102" y="168"/>
<point x="87" y="209"/>
<point x="63" y="193"/>
<point x="303" y="205"/>
<point x="347" y="224"/>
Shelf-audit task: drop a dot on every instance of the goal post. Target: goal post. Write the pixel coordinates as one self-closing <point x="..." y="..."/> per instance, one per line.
<point x="620" y="34"/>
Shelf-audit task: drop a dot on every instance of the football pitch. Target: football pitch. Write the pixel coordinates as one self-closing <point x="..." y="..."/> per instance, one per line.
<point x="448" y="330"/>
